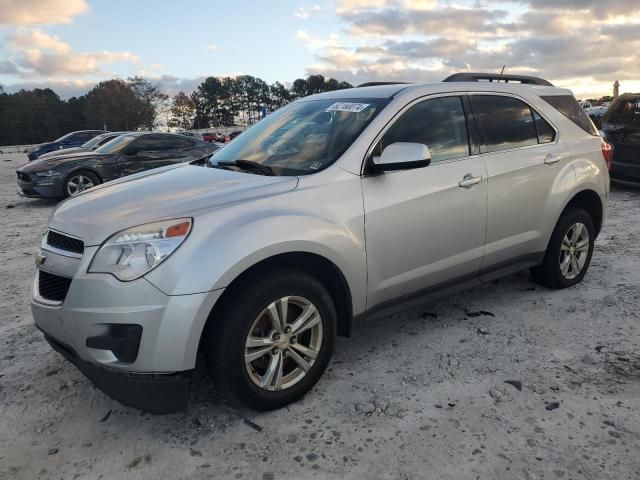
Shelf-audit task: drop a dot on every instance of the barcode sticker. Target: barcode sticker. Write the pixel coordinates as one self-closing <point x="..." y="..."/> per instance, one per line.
<point x="347" y="107"/>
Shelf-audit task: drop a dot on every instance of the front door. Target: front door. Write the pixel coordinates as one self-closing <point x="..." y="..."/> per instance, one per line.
<point x="426" y="227"/>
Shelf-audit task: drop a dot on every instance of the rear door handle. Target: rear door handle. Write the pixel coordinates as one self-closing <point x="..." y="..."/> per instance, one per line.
<point x="551" y="159"/>
<point x="469" y="181"/>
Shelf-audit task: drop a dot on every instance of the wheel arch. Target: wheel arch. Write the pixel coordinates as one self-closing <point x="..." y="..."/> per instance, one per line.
<point x="320" y="267"/>
<point x="590" y="201"/>
<point x="83" y="168"/>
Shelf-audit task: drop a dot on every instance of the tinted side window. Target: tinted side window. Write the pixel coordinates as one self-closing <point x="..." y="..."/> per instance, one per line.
<point x="152" y="143"/>
<point x="183" y="143"/>
<point x="439" y="123"/>
<point x="570" y="108"/>
<point x="546" y="133"/>
<point x="506" y="122"/>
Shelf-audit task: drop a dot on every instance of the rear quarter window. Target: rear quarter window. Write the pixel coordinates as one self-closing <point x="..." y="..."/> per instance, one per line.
<point x="570" y="108"/>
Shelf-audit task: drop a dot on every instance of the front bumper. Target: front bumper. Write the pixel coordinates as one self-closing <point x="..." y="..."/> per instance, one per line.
<point x="94" y="304"/>
<point x="39" y="188"/>
<point x="165" y="393"/>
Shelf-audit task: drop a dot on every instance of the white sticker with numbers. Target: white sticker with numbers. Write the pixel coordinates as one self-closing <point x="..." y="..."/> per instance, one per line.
<point x="347" y="107"/>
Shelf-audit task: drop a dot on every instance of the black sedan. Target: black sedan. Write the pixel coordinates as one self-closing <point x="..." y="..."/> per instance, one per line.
<point x="621" y="127"/>
<point x="127" y="154"/>
<point x="70" y="140"/>
<point x="93" y="144"/>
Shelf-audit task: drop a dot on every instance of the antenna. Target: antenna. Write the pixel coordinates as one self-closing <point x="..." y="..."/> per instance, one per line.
<point x="502" y="71"/>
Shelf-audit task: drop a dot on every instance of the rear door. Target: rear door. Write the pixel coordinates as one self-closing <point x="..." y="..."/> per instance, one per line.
<point x="426" y="227"/>
<point x="523" y="159"/>
<point x="186" y="149"/>
<point x="147" y="152"/>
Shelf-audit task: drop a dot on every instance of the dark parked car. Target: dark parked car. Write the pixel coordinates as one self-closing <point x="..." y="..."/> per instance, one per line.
<point x="73" y="139"/>
<point x="621" y="127"/>
<point x="92" y="144"/>
<point x="130" y="153"/>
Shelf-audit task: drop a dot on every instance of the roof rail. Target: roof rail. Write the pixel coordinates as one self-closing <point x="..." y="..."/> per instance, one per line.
<point x="375" y="84"/>
<point x="497" y="77"/>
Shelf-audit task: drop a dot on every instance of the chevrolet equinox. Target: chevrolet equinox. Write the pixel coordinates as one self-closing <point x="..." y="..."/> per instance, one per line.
<point x="337" y="207"/>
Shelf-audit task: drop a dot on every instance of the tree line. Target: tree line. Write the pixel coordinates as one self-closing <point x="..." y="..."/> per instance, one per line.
<point x="39" y="115"/>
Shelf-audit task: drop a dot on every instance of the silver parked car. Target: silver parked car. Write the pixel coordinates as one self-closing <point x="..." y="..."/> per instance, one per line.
<point x="334" y="208"/>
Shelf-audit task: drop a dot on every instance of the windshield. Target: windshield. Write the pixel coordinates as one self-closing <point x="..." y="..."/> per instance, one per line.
<point x="303" y="137"/>
<point x="95" y="141"/>
<point x="64" y="137"/>
<point x="116" y="144"/>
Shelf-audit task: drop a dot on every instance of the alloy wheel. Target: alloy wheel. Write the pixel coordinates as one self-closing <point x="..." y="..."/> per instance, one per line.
<point x="574" y="251"/>
<point x="283" y="343"/>
<point x="78" y="184"/>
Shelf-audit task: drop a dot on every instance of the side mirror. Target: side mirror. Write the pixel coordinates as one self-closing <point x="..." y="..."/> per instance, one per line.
<point x="402" y="156"/>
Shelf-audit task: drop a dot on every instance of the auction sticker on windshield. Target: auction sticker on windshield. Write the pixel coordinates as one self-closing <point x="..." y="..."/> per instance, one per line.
<point x="347" y="107"/>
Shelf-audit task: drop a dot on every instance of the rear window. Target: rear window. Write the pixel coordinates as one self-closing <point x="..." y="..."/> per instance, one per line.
<point x="570" y="108"/>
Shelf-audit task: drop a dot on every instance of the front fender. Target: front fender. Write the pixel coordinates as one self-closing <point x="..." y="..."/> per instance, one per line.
<point x="213" y="260"/>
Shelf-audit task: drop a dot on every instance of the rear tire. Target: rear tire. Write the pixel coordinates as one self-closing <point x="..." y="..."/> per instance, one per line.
<point x="569" y="252"/>
<point x="257" y="358"/>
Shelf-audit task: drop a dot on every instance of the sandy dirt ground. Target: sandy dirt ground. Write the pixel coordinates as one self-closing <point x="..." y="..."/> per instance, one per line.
<point x="423" y="394"/>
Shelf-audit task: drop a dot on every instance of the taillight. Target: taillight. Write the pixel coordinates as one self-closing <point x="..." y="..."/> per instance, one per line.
<point x="606" y="153"/>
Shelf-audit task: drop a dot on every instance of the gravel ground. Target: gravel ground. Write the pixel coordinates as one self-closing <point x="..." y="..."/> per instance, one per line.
<point x="423" y="394"/>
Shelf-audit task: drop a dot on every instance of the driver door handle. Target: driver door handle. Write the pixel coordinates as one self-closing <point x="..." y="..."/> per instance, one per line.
<point x="469" y="181"/>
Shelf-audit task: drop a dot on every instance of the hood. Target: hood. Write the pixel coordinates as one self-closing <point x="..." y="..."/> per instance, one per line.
<point x="64" y="151"/>
<point x="41" y="146"/>
<point x="43" y="164"/>
<point x="165" y="193"/>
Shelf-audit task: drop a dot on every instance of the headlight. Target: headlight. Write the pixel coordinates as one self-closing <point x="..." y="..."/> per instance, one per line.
<point x="48" y="173"/>
<point x="132" y="253"/>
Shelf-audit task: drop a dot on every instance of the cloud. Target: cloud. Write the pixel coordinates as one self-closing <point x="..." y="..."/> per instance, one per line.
<point x="7" y="67"/>
<point x="599" y="8"/>
<point x="42" y="12"/>
<point x="406" y="40"/>
<point x="398" y="21"/>
<point x="64" y="88"/>
<point x="350" y="5"/>
<point x="303" y="13"/>
<point x="168" y="84"/>
<point x="39" y="54"/>
<point x="213" y="47"/>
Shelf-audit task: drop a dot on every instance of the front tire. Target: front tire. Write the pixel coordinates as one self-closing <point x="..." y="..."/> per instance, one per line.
<point x="78" y="182"/>
<point x="272" y="339"/>
<point x="569" y="252"/>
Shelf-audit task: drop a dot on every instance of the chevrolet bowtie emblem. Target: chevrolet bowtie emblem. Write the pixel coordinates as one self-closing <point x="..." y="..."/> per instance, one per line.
<point x="39" y="258"/>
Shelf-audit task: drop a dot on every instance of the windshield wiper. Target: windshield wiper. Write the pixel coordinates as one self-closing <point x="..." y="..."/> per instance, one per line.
<point x="247" y="165"/>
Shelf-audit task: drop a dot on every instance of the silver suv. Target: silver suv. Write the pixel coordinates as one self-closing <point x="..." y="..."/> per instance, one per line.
<point x="336" y="207"/>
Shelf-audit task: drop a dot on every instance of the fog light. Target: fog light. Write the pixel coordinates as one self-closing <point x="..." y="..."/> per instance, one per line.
<point x="121" y="339"/>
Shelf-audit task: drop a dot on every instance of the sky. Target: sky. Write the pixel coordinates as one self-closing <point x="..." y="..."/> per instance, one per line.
<point x="70" y="45"/>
